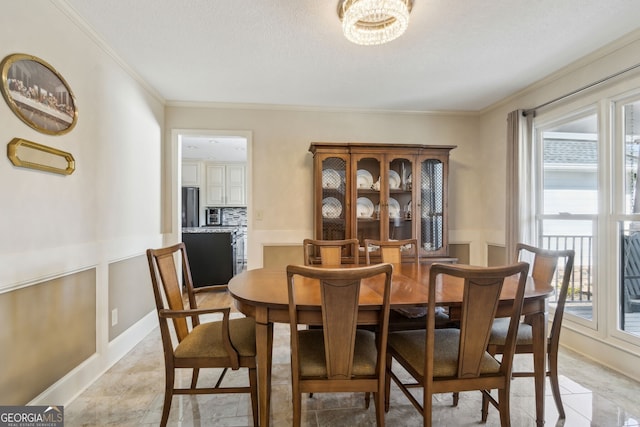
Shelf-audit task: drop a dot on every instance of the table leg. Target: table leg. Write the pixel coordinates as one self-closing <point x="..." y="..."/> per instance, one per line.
<point x="539" y="331"/>
<point x="264" y="350"/>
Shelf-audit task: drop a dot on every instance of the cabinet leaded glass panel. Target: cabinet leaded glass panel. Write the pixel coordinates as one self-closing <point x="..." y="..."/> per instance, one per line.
<point x="400" y="199"/>
<point x="334" y="198"/>
<point x="369" y="207"/>
<point x="431" y="204"/>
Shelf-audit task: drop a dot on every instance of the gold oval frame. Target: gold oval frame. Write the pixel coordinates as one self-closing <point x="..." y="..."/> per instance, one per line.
<point x="34" y="151"/>
<point x="38" y="94"/>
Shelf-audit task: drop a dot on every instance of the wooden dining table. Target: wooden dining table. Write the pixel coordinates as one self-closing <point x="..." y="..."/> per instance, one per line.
<point x="262" y="294"/>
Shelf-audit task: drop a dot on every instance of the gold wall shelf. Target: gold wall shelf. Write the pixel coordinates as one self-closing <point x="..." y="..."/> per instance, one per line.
<point x="28" y="154"/>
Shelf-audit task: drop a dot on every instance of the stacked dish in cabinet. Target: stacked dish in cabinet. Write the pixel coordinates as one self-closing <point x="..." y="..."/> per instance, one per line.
<point x="365" y="207"/>
<point x="333" y="198"/>
<point x="332" y="182"/>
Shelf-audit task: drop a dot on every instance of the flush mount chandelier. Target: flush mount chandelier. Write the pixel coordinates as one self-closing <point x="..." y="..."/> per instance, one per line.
<point x="373" y="22"/>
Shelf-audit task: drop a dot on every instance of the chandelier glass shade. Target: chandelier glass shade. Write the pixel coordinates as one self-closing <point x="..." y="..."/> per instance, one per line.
<point x="374" y="22"/>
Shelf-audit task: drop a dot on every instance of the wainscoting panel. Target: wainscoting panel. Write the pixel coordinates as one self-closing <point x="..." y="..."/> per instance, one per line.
<point x="130" y="293"/>
<point x="462" y="251"/>
<point x="47" y="330"/>
<point x="496" y="255"/>
<point x="281" y="256"/>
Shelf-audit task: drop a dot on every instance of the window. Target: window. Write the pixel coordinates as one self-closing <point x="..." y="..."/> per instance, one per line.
<point x="567" y="198"/>
<point x="628" y="142"/>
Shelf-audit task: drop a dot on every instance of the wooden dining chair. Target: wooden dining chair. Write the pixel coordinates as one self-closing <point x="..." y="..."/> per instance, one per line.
<point x="545" y="262"/>
<point x="227" y="343"/>
<point x="331" y="252"/>
<point x="453" y="360"/>
<point x="392" y="251"/>
<point x="339" y="357"/>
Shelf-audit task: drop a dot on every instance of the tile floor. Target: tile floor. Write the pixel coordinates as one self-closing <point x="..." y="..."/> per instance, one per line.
<point x="131" y="394"/>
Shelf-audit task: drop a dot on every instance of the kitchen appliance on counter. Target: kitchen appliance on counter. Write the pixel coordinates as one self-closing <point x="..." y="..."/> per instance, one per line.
<point x="213" y="216"/>
<point x="190" y="207"/>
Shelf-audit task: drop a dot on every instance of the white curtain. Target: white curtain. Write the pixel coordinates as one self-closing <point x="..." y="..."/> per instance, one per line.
<point x="520" y="224"/>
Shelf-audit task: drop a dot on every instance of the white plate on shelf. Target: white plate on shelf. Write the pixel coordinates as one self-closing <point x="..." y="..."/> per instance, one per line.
<point x="364" y="179"/>
<point x="364" y="207"/>
<point x="394" y="180"/>
<point x="394" y="208"/>
<point x="331" y="207"/>
<point x="331" y="179"/>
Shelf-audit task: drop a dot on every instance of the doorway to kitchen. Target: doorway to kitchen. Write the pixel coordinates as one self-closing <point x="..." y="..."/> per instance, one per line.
<point x="216" y="165"/>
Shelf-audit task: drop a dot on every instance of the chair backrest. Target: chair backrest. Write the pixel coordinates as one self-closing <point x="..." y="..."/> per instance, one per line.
<point x="391" y="251"/>
<point x="340" y="293"/>
<point x="164" y="265"/>
<point x="481" y="297"/>
<point x="330" y="252"/>
<point x="544" y="267"/>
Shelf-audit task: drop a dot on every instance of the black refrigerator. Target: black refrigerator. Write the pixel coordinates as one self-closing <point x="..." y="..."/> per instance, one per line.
<point x="190" y="207"/>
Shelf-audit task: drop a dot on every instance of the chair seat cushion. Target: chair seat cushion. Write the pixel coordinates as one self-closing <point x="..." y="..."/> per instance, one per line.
<point x="499" y="332"/>
<point x="410" y="346"/>
<point x="312" y="356"/>
<point x="205" y="340"/>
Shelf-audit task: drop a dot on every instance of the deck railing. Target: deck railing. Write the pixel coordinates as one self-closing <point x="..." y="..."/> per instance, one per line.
<point x="581" y="285"/>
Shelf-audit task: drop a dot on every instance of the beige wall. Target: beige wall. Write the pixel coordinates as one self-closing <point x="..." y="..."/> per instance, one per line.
<point x="281" y="165"/>
<point x="54" y="226"/>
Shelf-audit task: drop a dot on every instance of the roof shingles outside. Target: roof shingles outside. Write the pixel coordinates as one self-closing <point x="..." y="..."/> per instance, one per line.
<point x="563" y="151"/>
<point x="570" y="152"/>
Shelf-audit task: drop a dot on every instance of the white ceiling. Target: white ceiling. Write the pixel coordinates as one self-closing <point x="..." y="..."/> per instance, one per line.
<point x="456" y="55"/>
<point x="214" y="148"/>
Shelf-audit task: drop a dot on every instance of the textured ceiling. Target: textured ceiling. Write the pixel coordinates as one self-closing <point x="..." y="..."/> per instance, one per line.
<point x="456" y="55"/>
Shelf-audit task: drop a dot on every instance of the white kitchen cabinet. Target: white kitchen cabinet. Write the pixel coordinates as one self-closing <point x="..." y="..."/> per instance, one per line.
<point x="191" y="176"/>
<point x="215" y="185"/>
<point x="226" y="184"/>
<point x="235" y="185"/>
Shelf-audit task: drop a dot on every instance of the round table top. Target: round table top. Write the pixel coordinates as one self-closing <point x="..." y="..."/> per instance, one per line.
<point x="409" y="287"/>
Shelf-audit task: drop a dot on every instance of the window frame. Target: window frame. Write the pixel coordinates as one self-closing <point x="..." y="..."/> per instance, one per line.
<point x="541" y="124"/>
<point x="618" y="210"/>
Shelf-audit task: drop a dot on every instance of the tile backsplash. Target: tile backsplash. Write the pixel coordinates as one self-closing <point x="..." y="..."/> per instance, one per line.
<point x="234" y="216"/>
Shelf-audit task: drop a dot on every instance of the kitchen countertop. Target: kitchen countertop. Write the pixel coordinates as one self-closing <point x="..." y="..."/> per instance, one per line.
<point x="215" y="229"/>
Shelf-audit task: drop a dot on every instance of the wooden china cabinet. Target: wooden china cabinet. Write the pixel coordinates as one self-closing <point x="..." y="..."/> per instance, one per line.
<point x="382" y="192"/>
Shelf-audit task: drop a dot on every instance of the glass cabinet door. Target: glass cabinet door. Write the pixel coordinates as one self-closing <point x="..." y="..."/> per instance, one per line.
<point x="384" y="197"/>
<point x="369" y="206"/>
<point x="431" y="209"/>
<point x="382" y="192"/>
<point x="400" y="198"/>
<point x="334" y="199"/>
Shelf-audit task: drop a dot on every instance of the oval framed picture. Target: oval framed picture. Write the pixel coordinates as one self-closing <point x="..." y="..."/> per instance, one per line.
<point x="38" y="94"/>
